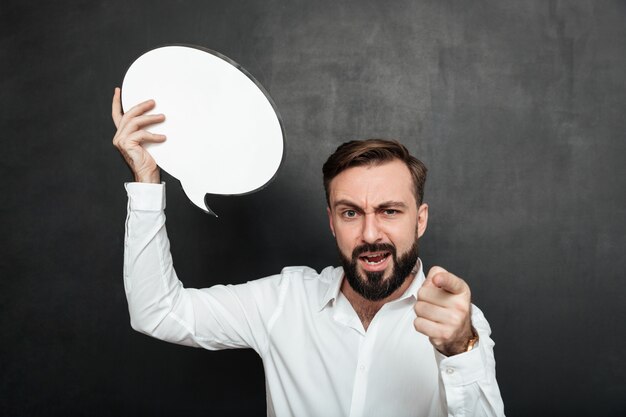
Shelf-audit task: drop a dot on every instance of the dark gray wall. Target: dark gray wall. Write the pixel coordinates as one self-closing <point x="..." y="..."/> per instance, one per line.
<point x="517" y="108"/>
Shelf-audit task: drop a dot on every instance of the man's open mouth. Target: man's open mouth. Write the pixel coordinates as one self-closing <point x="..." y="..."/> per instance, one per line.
<point x="374" y="258"/>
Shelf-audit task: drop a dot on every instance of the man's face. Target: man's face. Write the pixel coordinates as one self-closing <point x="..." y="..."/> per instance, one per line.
<point x="374" y="216"/>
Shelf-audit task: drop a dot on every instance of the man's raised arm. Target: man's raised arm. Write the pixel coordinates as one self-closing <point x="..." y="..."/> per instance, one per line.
<point x="214" y="318"/>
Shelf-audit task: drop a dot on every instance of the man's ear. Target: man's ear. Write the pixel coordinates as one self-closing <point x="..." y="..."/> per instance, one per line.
<point x="422" y="219"/>
<point x="330" y="220"/>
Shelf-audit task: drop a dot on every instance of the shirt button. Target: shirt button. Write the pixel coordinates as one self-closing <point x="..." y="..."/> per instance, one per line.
<point x="449" y="371"/>
<point x="362" y="368"/>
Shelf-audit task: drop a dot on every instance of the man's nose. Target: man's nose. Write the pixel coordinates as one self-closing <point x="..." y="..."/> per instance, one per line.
<point x="371" y="229"/>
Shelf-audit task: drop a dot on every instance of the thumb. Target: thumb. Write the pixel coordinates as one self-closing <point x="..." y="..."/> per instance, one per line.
<point x="116" y="108"/>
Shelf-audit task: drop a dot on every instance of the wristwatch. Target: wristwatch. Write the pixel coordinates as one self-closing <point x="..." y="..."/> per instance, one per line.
<point x="473" y="340"/>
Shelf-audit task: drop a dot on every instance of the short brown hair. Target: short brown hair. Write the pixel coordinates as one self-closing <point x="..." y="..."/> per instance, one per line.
<point x="373" y="152"/>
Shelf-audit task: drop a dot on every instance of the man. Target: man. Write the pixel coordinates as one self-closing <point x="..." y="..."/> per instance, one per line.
<point x="341" y="342"/>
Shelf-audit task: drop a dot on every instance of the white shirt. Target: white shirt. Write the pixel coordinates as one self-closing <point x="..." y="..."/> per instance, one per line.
<point x="317" y="357"/>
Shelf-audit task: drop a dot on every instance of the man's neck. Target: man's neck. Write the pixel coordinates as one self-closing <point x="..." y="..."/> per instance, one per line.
<point x="367" y="309"/>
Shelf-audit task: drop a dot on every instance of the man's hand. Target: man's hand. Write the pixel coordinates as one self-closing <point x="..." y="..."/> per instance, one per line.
<point x="131" y="134"/>
<point x="443" y="310"/>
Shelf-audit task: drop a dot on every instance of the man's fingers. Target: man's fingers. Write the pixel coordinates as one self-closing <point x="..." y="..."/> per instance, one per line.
<point x="427" y="327"/>
<point x="127" y="130"/>
<point x="434" y="295"/>
<point x="446" y="280"/>
<point x="131" y="135"/>
<point x="142" y="136"/>
<point x="141" y="108"/>
<point x="120" y="117"/>
<point x="116" y="108"/>
<point x="436" y="313"/>
<point x="434" y="271"/>
<point x="443" y="311"/>
<point x="141" y="121"/>
<point x="135" y="111"/>
<point x="449" y="282"/>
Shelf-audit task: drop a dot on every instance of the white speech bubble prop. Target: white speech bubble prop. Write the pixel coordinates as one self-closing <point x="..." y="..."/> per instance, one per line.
<point x="224" y="135"/>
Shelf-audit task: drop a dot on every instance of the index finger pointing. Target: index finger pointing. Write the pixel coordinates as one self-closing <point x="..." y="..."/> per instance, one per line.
<point x="434" y="271"/>
<point x="446" y="280"/>
<point x="449" y="282"/>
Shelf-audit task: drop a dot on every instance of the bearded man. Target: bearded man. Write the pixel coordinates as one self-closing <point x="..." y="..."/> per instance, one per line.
<point x="374" y="337"/>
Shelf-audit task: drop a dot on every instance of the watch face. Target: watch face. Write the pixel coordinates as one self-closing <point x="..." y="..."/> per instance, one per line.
<point x="471" y="343"/>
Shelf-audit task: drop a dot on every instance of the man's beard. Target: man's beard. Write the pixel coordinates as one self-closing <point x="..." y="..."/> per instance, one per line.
<point x="373" y="286"/>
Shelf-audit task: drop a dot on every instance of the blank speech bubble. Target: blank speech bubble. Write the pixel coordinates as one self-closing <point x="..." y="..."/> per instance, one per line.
<point x="224" y="135"/>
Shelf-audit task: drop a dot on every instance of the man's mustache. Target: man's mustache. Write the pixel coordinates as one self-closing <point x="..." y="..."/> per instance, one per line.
<point x="374" y="247"/>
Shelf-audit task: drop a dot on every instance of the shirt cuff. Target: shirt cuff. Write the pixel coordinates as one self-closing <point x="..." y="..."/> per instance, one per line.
<point x="145" y="197"/>
<point x="462" y="369"/>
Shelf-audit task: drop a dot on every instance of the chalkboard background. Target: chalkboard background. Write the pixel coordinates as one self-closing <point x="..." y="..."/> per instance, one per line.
<point x="516" y="107"/>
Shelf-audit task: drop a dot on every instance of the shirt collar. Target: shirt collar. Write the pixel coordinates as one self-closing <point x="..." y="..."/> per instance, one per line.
<point x="337" y="278"/>
<point x="416" y="284"/>
<point x="333" y="288"/>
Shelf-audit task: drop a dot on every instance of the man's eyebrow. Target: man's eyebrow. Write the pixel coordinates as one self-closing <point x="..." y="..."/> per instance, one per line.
<point x="391" y="204"/>
<point x="347" y="203"/>
<point x="383" y="205"/>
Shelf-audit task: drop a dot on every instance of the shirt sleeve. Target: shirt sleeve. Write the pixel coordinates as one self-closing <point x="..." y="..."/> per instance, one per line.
<point x="219" y="317"/>
<point x="469" y="379"/>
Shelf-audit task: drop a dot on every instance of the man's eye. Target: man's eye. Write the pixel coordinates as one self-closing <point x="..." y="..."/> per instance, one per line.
<point x="350" y="214"/>
<point x="390" y="212"/>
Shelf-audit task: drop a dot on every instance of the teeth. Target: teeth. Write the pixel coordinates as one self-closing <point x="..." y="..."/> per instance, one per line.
<point x="368" y="258"/>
